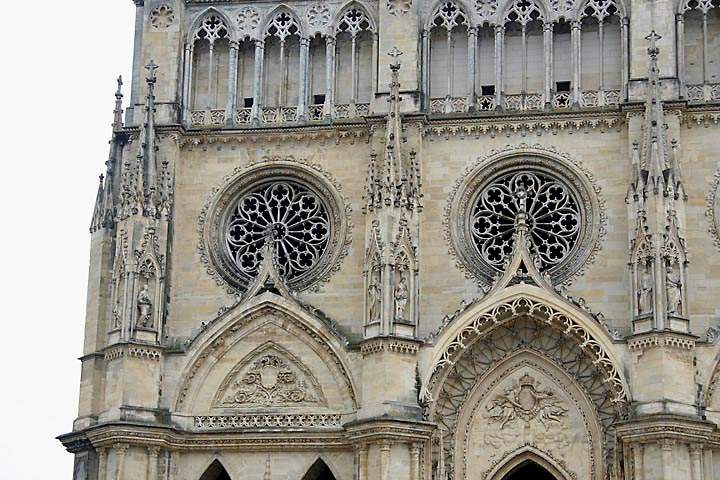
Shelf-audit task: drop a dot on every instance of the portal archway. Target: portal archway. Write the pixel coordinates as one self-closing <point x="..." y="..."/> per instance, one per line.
<point x="319" y="471"/>
<point x="215" y="472"/>
<point x="529" y="470"/>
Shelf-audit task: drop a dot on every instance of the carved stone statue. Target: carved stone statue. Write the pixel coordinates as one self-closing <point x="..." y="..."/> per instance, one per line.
<point x="144" y="304"/>
<point x="645" y="290"/>
<point x="374" y="296"/>
<point x="401" y="296"/>
<point x="673" y="283"/>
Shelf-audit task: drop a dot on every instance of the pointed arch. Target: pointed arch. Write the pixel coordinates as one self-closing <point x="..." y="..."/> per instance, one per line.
<point x="319" y="470"/>
<point x="197" y="23"/>
<point x="461" y="6"/>
<point x="215" y="471"/>
<point x="274" y="14"/>
<point x="357" y="5"/>
<point x="522" y="11"/>
<point x="228" y="330"/>
<point x="527" y="456"/>
<point x="599" y="8"/>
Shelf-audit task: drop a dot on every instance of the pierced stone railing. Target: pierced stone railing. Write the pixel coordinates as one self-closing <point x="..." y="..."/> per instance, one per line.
<point x="485" y="103"/>
<point x="562" y="100"/>
<point x="316" y="112"/>
<point x="527" y="101"/>
<point x="279" y="114"/>
<point x="448" y="105"/>
<point x="243" y="115"/>
<point x="351" y="110"/>
<point x="708" y="92"/>
<point x="599" y="98"/>
<point x="208" y="117"/>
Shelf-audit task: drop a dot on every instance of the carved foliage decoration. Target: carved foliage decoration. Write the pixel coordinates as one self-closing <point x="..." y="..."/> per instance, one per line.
<point x="248" y="20"/>
<point x="318" y="15"/>
<point x="712" y="210"/>
<point x="270" y="376"/>
<point x="566" y="227"/>
<point x="162" y="17"/>
<point x="486" y="9"/>
<point x="525" y="401"/>
<point x="309" y="195"/>
<point x="398" y="7"/>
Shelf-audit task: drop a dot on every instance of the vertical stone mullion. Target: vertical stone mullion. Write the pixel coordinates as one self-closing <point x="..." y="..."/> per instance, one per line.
<point x="257" y="80"/>
<point x="548" y="50"/>
<point x="680" y="27"/>
<point x="498" y="52"/>
<point x="303" y="86"/>
<point x="232" y="83"/>
<point x="329" y="76"/>
<point x="625" y="57"/>
<point x="210" y="103"/>
<point x="426" y="67"/>
<point x="601" y="60"/>
<point x="187" y="80"/>
<point x="472" y="64"/>
<point x="575" y="60"/>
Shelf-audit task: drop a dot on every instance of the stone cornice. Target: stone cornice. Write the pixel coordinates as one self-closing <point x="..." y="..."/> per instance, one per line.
<point x="390" y="344"/>
<point x="657" y="427"/>
<point x="389" y="429"/>
<point x="676" y="340"/>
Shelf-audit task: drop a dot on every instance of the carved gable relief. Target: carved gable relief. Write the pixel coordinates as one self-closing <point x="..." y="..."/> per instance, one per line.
<point x="270" y="376"/>
<point x="527" y="402"/>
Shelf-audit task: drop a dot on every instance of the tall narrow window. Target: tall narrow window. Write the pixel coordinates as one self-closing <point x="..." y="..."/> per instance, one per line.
<point x="210" y="69"/>
<point x="523" y="56"/>
<point x="448" y="78"/>
<point x="485" y="68"/>
<point x="317" y="80"/>
<point x="353" y="57"/>
<point x="601" y="53"/>
<point x="282" y="73"/>
<point x="700" y="45"/>
<point x="562" y="64"/>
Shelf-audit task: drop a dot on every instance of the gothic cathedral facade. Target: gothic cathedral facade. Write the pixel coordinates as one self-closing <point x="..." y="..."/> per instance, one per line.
<point x="408" y="240"/>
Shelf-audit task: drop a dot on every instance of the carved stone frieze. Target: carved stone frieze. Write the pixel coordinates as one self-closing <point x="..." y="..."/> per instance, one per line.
<point x="250" y="421"/>
<point x="270" y="376"/>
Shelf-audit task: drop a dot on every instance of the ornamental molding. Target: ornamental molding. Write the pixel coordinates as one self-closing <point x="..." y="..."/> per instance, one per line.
<point x="481" y="320"/>
<point x="223" y="335"/>
<point x="162" y="17"/>
<point x="394" y="345"/>
<point x="304" y="421"/>
<point x="133" y="351"/>
<point x="269" y="376"/>
<point x="677" y="341"/>
<point x="514" y="158"/>
<point x="274" y="136"/>
<point x="712" y="209"/>
<point x="522" y="126"/>
<point x="210" y="225"/>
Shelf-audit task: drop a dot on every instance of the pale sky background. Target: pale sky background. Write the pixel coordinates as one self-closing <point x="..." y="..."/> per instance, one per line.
<point x="60" y="60"/>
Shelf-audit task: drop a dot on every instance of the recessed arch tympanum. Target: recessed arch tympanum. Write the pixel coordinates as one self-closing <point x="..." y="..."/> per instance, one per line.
<point x="525" y="354"/>
<point x="319" y="471"/>
<point x="215" y="471"/>
<point x="304" y="347"/>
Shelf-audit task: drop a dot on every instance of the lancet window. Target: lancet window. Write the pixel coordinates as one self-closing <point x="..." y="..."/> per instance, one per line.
<point x="282" y="68"/>
<point x="449" y="80"/>
<point x="698" y="30"/>
<point x="355" y="39"/>
<point x="210" y="55"/>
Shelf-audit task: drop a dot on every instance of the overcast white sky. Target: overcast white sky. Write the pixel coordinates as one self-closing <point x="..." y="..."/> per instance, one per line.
<point x="59" y="64"/>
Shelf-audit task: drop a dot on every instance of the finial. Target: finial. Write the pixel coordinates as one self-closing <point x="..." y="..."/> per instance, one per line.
<point x="521" y="215"/>
<point x="653" y="49"/>
<point x="117" y="113"/>
<point x="118" y="93"/>
<point x="152" y="78"/>
<point x="395" y="54"/>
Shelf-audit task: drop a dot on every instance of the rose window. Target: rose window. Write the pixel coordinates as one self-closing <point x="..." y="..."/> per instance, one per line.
<point x="289" y="215"/>
<point x="552" y="213"/>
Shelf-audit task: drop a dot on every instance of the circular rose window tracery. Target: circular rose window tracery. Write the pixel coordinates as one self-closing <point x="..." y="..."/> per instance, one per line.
<point x="285" y="213"/>
<point x="552" y="213"/>
<point x="558" y="199"/>
<point x="293" y="204"/>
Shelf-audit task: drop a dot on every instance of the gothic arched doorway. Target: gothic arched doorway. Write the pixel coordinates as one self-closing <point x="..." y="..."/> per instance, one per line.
<point x="215" y="472"/>
<point x="529" y="470"/>
<point x="319" y="471"/>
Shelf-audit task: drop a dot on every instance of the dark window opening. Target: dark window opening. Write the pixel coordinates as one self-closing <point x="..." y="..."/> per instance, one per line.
<point x="318" y="99"/>
<point x="319" y="471"/>
<point x="529" y="471"/>
<point x="486" y="90"/>
<point x="562" y="86"/>
<point x="248" y="102"/>
<point x="215" y="472"/>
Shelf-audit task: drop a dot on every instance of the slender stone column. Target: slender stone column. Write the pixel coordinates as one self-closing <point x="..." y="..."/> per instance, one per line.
<point x="353" y="70"/>
<point x="667" y="446"/>
<point x="625" y="60"/>
<point x="575" y="60"/>
<point x="601" y="60"/>
<point x="708" y="464"/>
<point x="187" y="81"/>
<point x="385" y="460"/>
<point x="472" y="65"/>
<point x="210" y="102"/>
<point x="638" y="461"/>
<point x="102" y="464"/>
<point x="426" y="68"/>
<point x="414" y="461"/>
<point x="524" y="60"/>
<point x="303" y="86"/>
<point x="363" y="462"/>
<point x="257" y="81"/>
<point x="680" y="28"/>
<point x="152" y="470"/>
<point x="120" y="451"/>
<point x="329" y="76"/>
<point x="696" y="471"/>
<point x="499" y="87"/>
<point x="232" y="84"/>
<point x="450" y="63"/>
<point x="704" y="49"/>
<point x="548" y="50"/>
